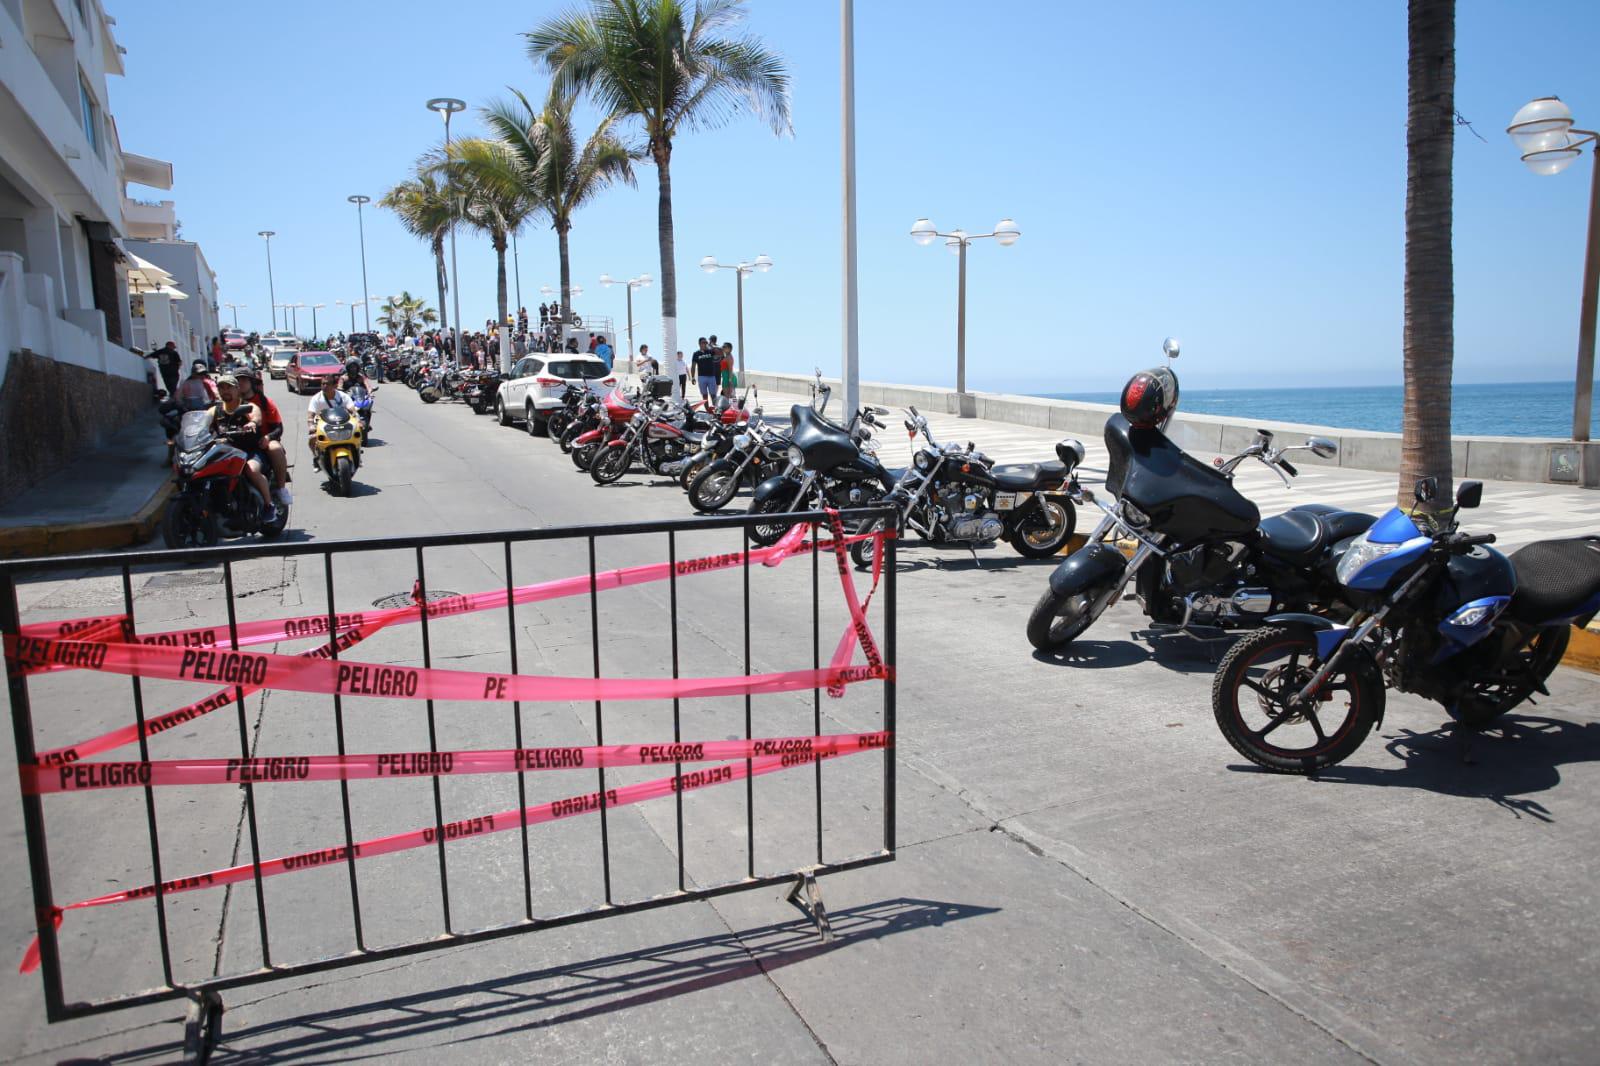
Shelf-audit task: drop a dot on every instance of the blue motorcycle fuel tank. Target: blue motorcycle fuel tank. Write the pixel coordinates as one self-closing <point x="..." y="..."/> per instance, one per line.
<point x="1481" y="574"/>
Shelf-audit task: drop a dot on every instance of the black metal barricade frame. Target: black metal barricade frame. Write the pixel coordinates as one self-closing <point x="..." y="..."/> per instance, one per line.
<point x="205" y="993"/>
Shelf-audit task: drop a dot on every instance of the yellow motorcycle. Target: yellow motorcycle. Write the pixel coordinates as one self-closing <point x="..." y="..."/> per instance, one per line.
<point x="336" y="448"/>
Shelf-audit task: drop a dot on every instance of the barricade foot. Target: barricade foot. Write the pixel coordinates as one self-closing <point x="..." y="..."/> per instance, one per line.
<point x="806" y="895"/>
<point x="202" y="1028"/>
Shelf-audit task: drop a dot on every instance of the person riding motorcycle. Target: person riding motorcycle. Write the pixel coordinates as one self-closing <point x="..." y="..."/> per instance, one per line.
<point x="240" y="423"/>
<point x="329" y="396"/>
<point x="251" y="392"/>
<point x="353" y="373"/>
<point x="197" y="391"/>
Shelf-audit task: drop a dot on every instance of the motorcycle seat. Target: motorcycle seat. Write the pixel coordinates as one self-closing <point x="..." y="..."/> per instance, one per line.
<point x="1556" y="579"/>
<point x="1300" y="535"/>
<point x="1028" y="477"/>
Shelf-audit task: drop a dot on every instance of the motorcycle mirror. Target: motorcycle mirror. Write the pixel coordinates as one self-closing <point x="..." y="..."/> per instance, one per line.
<point x="1469" y="494"/>
<point x="1322" y="446"/>
<point x="1170" y="347"/>
<point x="1426" y="489"/>
<point x="880" y="410"/>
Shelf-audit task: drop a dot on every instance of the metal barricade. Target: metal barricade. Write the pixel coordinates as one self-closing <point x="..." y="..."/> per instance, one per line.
<point x="206" y="1005"/>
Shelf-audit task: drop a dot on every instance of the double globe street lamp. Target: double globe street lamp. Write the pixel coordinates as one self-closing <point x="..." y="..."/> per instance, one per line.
<point x="361" y="228"/>
<point x="235" y="309"/>
<point x="272" y="292"/>
<point x="762" y="263"/>
<point x="640" y="282"/>
<point x="447" y="106"/>
<point x="1005" y="234"/>
<point x="1543" y="132"/>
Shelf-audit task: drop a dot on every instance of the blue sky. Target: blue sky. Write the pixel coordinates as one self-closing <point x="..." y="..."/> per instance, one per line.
<point x="1231" y="173"/>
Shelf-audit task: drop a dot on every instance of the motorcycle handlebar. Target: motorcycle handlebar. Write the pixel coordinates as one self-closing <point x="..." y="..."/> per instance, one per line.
<point x="1287" y="465"/>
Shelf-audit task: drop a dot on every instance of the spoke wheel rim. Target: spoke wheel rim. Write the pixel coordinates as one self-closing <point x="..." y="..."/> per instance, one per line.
<point x="1037" y="538"/>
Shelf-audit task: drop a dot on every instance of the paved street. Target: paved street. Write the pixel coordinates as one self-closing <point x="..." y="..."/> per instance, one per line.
<point x="1086" y="871"/>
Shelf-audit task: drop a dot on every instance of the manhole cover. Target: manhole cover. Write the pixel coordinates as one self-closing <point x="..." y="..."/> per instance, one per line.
<point x="186" y="579"/>
<point x="404" y="599"/>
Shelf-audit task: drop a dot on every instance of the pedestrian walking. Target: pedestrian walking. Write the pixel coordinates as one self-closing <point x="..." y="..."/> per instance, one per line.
<point x="170" y="364"/>
<point x="681" y="370"/>
<point x="603" y="350"/>
<point x="708" y="373"/>
<point x="544" y="315"/>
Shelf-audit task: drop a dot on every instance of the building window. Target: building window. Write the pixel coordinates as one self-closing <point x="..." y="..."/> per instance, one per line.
<point x="91" y="118"/>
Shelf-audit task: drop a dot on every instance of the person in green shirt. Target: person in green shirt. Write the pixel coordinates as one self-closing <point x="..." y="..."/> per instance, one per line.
<point x="730" y="380"/>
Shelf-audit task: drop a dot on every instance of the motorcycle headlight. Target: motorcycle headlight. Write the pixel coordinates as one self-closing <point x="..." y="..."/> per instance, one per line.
<point x="1361" y="552"/>
<point x="795" y="456"/>
<point x="922" y="460"/>
<point x="742" y="442"/>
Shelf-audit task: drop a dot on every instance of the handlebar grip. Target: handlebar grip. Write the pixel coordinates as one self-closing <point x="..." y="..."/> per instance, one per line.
<point x="913" y="410"/>
<point x="1473" y="539"/>
<point x="1289" y="467"/>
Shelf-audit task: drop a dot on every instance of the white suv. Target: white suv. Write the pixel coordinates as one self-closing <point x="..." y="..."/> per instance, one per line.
<point x="538" y="381"/>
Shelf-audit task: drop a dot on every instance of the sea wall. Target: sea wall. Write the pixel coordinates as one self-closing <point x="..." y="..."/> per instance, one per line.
<point x="1544" y="460"/>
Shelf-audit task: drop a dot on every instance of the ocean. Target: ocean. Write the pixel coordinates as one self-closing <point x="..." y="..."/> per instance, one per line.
<point x="1528" y="409"/>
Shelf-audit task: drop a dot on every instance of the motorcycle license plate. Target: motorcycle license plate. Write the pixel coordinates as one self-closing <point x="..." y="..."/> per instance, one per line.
<point x="1009" y="501"/>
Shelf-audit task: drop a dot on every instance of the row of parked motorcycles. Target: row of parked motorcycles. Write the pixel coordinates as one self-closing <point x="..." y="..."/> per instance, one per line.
<point x="437" y="379"/>
<point x="951" y="495"/>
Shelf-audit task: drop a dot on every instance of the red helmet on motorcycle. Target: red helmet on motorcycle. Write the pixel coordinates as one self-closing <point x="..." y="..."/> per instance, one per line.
<point x="1150" y="398"/>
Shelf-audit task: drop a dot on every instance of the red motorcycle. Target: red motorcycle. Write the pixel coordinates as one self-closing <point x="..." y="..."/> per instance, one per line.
<point x="659" y="437"/>
<point x="618" y="411"/>
<point x="214" y="498"/>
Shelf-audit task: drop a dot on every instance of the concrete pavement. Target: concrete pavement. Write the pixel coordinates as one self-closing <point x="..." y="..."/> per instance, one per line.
<point x="1085" y="871"/>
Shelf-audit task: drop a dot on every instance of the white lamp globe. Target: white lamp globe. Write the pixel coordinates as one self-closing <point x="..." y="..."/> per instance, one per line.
<point x="1006" y="233"/>
<point x="763" y="262"/>
<point x="645" y="279"/>
<point x="924" y="232"/>
<point x="576" y="290"/>
<point x="1551" y="160"/>
<point x="1540" y="124"/>
<point x="546" y="290"/>
<point x="956" y="239"/>
<point x="709" y="264"/>
<point x="605" y="279"/>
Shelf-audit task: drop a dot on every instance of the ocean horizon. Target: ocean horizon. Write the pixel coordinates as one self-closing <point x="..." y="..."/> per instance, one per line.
<point x="1521" y="409"/>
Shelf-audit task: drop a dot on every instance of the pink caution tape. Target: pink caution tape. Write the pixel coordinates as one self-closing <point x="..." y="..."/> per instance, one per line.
<point x="289" y="769"/>
<point x="458" y="830"/>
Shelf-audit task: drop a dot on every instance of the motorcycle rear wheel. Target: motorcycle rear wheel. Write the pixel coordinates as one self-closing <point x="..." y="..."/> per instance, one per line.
<point x="429" y="394"/>
<point x="1250" y="701"/>
<point x="691" y="470"/>
<point x="1059" y="618"/>
<point x="713" y="487"/>
<point x="610" y="465"/>
<point x="583" y="455"/>
<point x="864" y="552"/>
<point x="1046" y="530"/>
<point x="1487" y="698"/>
<point x="569" y="434"/>
<point x="556" y="424"/>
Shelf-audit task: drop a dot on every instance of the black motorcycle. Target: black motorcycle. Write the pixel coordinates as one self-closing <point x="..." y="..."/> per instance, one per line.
<point x="557" y="421"/>
<point x="957" y="496"/>
<point x="829" y="466"/>
<point x="742" y="455"/>
<point x="481" y="390"/>
<point x="1204" y="557"/>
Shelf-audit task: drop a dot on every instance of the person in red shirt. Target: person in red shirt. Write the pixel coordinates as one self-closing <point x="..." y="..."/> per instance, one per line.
<point x="250" y="391"/>
<point x="216" y="352"/>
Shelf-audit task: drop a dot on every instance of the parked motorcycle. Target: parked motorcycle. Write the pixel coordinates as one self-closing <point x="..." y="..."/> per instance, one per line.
<point x="752" y="450"/>
<point x="481" y="391"/>
<point x="1205" y="558"/>
<point x="214" y="499"/>
<point x="588" y="414"/>
<point x="557" y="420"/>
<point x="828" y="466"/>
<point x="615" y="416"/>
<point x="715" y="442"/>
<point x="1437" y="613"/>
<point x="958" y="496"/>
<point x="336" y="448"/>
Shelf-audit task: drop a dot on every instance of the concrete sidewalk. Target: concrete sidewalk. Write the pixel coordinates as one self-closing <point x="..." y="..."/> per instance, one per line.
<point x="111" y="497"/>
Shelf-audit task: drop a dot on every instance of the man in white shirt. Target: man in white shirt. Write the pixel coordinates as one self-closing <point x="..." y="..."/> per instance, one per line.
<point x="329" y="396"/>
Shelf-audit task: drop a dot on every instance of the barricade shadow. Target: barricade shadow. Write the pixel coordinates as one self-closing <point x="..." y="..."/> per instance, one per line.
<point x="1520" y="756"/>
<point x="571" y="992"/>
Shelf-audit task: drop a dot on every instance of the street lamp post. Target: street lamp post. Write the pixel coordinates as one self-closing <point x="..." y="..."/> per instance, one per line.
<point x="1005" y="234"/>
<point x="272" y="293"/>
<point x="1544" y="134"/>
<point x="639" y="282"/>
<point x="850" y="372"/>
<point x="314" y="309"/>
<point x="516" y="268"/>
<point x="762" y="263"/>
<point x="447" y="106"/>
<point x="361" y="228"/>
<point x="235" y="309"/>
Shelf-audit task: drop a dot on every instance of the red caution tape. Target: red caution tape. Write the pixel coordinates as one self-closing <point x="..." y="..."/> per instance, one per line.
<point x="458" y="830"/>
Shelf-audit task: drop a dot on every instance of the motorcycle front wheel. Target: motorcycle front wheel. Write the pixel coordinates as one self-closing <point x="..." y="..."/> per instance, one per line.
<point x="1046" y="529"/>
<point x="864" y="552"/>
<point x="187" y="525"/>
<point x="583" y="455"/>
<point x="692" y="468"/>
<point x="610" y="465"/>
<point x="343" y="471"/>
<point x="429" y="394"/>
<point x="572" y="432"/>
<point x="1059" y="618"/>
<point x="1250" y="698"/>
<point x="769" y="533"/>
<point x="713" y="487"/>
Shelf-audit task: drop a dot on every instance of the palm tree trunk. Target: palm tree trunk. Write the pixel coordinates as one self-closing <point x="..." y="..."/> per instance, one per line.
<point x="1429" y="336"/>
<point x="661" y="150"/>
<point x="565" y="267"/>
<point x="442" y="278"/>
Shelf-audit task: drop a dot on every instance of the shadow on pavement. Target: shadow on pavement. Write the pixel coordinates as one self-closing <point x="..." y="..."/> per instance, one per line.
<point x="1520" y="756"/>
<point x="1178" y="653"/>
<point x="541" y="998"/>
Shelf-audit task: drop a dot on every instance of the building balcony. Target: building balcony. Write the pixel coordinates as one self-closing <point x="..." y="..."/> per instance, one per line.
<point x="150" y="221"/>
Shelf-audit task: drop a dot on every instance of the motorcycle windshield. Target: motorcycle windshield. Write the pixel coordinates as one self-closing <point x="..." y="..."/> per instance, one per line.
<point x="194" y="430"/>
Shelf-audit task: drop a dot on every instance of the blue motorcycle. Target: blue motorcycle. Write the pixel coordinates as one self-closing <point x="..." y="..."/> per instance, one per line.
<point x="363" y="397"/>
<point x="1435" y="612"/>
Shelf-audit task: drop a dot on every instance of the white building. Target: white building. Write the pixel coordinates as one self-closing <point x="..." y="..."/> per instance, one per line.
<point x="159" y="317"/>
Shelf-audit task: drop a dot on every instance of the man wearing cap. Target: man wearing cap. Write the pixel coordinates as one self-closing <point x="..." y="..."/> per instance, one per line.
<point x="251" y="392"/>
<point x="198" y="391"/>
<point x="241" y="424"/>
<point x="330" y="396"/>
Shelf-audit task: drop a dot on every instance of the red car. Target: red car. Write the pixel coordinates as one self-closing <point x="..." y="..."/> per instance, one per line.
<point x="234" y="340"/>
<point x="307" y="369"/>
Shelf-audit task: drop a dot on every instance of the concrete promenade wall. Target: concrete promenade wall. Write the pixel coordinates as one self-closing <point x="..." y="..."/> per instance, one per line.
<point x="1561" y="462"/>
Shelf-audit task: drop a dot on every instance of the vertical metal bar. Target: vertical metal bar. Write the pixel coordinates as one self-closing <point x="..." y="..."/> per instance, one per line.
<point x="149" y="797"/>
<point x="338" y="728"/>
<point x="599" y="724"/>
<point x="33" y="817"/>
<point x="433" y="743"/>
<point x="249" y="788"/>
<point x="516" y="712"/>
<point x="749" y="778"/>
<point x="816" y="664"/>
<point x="888" y="550"/>
<point x="677" y="721"/>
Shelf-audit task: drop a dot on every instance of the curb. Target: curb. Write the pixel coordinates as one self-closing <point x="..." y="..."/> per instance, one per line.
<point x="1583" y="651"/>
<point x="74" y="537"/>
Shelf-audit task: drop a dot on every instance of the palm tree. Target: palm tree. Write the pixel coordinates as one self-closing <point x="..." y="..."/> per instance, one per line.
<point x="1429" y="335"/>
<point x="425" y="210"/>
<point x="564" y="176"/>
<point x="655" y="61"/>
<point x="495" y="198"/>
<point x="403" y="313"/>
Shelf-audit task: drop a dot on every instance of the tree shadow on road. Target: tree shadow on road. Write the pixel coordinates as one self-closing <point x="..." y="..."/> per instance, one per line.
<point x="1521" y="755"/>
<point x="571" y="992"/>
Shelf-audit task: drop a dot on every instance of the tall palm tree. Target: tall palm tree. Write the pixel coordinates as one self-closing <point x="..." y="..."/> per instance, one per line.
<point x="495" y="198"/>
<point x="564" y="175"/>
<point x="425" y="210"/>
<point x="671" y="69"/>
<point x="404" y="313"/>
<point x="1429" y="334"/>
